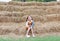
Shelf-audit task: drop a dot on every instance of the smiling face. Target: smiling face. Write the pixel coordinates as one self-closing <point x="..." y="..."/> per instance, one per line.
<point x="29" y="18"/>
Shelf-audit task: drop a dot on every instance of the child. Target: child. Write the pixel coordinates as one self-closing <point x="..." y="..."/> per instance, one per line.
<point x="29" y="25"/>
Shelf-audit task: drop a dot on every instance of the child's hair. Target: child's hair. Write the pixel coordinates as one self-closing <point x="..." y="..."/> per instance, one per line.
<point x="27" y="18"/>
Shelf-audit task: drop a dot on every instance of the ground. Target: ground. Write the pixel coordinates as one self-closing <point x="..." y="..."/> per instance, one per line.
<point x="47" y="38"/>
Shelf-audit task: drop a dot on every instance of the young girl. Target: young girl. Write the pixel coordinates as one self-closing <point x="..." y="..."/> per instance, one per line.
<point x="29" y="25"/>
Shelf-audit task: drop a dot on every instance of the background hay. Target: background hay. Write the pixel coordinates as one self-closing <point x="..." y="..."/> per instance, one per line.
<point x="13" y="17"/>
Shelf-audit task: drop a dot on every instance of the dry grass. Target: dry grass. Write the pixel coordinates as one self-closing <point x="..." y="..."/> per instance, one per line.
<point x="21" y="17"/>
<point x="45" y="15"/>
<point x="31" y="3"/>
<point x="30" y="9"/>
<point x="17" y="28"/>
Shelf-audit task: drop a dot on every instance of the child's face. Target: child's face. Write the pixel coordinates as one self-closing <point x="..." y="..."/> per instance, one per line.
<point x="29" y="18"/>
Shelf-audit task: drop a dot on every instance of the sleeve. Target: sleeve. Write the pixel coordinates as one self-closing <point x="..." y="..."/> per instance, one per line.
<point x="27" y="23"/>
<point x="32" y="23"/>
